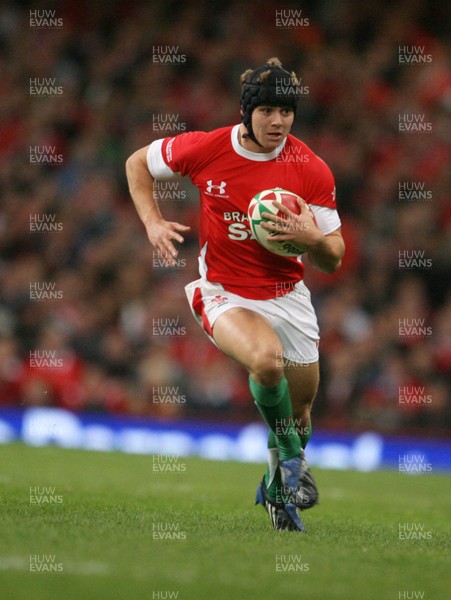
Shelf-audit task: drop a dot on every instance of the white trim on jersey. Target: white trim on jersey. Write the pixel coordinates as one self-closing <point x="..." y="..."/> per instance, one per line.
<point x="156" y="165"/>
<point x="327" y="219"/>
<point x="202" y="262"/>
<point x="257" y="156"/>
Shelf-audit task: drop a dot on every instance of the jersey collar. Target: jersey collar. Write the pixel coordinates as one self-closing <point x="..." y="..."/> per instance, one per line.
<point x="257" y="156"/>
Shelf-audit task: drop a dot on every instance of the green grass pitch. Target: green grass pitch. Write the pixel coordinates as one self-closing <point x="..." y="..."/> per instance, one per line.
<point x="113" y="527"/>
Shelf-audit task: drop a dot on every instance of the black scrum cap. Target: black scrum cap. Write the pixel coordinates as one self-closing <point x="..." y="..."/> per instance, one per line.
<point x="270" y="85"/>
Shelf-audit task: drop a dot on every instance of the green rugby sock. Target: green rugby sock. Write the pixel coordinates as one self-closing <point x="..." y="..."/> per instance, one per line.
<point x="272" y="441"/>
<point x="305" y="437"/>
<point x="274" y="404"/>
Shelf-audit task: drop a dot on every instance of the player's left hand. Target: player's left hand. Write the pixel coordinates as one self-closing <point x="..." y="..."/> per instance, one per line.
<point x="296" y="228"/>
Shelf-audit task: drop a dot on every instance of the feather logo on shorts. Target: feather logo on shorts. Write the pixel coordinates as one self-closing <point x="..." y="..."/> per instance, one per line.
<point x="220" y="300"/>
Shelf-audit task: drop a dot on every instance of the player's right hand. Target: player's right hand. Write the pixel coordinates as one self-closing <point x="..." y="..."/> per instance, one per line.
<point x="161" y="233"/>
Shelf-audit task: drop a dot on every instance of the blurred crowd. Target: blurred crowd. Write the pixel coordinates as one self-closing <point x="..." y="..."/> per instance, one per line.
<point x="90" y="319"/>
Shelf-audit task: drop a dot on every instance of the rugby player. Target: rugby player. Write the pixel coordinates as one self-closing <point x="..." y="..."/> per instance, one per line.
<point x="254" y="304"/>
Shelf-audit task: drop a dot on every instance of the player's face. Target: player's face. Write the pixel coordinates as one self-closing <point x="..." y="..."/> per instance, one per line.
<point x="271" y="125"/>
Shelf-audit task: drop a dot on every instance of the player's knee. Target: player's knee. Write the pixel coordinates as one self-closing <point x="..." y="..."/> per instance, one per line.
<point x="267" y="367"/>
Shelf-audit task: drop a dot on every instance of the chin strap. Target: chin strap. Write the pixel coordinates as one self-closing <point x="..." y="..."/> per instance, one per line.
<point x="252" y="137"/>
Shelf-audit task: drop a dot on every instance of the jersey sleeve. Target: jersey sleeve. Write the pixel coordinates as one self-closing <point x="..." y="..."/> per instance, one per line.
<point x="320" y="184"/>
<point x="320" y="195"/>
<point x="327" y="219"/>
<point x="156" y="165"/>
<point x="179" y="154"/>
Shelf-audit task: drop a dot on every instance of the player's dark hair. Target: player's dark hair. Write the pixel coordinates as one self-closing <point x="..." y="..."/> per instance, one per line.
<point x="270" y="85"/>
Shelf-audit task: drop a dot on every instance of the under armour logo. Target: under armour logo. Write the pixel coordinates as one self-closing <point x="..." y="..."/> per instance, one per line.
<point x="220" y="187"/>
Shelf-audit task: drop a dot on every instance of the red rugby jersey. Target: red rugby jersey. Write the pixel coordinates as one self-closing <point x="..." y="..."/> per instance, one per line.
<point x="228" y="177"/>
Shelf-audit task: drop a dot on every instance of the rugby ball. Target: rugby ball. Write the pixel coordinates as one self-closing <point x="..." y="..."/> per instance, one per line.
<point x="264" y="202"/>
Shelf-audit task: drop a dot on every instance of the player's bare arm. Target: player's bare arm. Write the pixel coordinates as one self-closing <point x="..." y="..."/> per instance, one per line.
<point x="327" y="254"/>
<point x="159" y="231"/>
<point x="325" y="251"/>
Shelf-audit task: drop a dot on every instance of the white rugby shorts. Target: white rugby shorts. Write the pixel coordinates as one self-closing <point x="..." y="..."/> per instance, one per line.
<point x="292" y="315"/>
